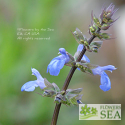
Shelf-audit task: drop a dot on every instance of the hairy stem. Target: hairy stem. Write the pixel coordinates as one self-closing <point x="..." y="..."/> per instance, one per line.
<point x="67" y="81"/>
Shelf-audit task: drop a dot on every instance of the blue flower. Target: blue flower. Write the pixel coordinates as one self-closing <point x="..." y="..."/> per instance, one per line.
<point x="30" y="86"/>
<point x="85" y="58"/>
<point x="58" y="62"/>
<point x="98" y="70"/>
<point x="105" y="81"/>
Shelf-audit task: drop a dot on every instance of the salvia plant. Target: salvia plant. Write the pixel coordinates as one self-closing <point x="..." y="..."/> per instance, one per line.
<point x="79" y="61"/>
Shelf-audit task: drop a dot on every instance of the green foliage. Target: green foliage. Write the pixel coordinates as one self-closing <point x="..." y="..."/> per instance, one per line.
<point x="94" y="46"/>
<point x="68" y="98"/>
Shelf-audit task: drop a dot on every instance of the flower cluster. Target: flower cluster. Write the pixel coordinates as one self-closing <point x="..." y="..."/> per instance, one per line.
<point x="85" y="66"/>
<point x="103" y="23"/>
<point x="106" y="16"/>
<point x="65" y="58"/>
<point x="72" y="96"/>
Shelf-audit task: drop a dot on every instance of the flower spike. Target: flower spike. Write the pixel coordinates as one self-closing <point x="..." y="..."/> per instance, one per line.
<point x="106" y="14"/>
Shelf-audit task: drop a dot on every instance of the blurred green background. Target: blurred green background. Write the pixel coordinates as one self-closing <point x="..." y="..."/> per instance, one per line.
<point x="17" y="56"/>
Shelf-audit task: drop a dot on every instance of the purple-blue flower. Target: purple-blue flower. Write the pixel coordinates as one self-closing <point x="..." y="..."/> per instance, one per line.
<point x="58" y="62"/>
<point x="30" y="86"/>
<point x="98" y="70"/>
<point x="80" y="48"/>
<point x="105" y="81"/>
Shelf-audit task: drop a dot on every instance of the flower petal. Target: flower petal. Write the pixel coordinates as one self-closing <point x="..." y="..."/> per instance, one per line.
<point x="105" y="82"/>
<point x="37" y="74"/>
<point x="108" y="67"/>
<point x="80" y="48"/>
<point x="85" y="58"/>
<point x="29" y="86"/>
<point x="97" y="71"/>
<point x="62" y="51"/>
<point x="41" y="83"/>
<point x="100" y="69"/>
<point x="55" y="65"/>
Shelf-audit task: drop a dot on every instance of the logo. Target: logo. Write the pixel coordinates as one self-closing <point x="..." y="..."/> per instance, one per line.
<point x="99" y="111"/>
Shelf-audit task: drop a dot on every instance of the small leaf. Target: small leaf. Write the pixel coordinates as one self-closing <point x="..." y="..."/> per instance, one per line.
<point x="56" y="87"/>
<point x="105" y="35"/>
<point x="74" y="91"/>
<point x="70" y="56"/>
<point x="94" y="46"/>
<point x="49" y="93"/>
<point x="80" y="38"/>
<point x="71" y="93"/>
<point x="97" y="43"/>
<point x="59" y="98"/>
<point x="105" y="26"/>
<point x="48" y="85"/>
<point x="79" y="97"/>
<point x="91" y="66"/>
<point x="69" y="96"/>
<point x="96" y="21"/>
<point x="73" y="101"/>
<point x="93" y="29"/>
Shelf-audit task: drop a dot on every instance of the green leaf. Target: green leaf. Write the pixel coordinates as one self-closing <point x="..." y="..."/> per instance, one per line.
<point x="48" y="85"/>
<point x="50" y="89"/>
<point x="73" y="101"/>
<point x="74" y="91"/>
<point x="97" y="43"/>
<point x="105" y="35"/>
<point x="71" y="57"/>
<point x="56" y="87"/>
<point x="79" y="97"/>
<point x="96" y="21"/>
<point x="69" y="97"/>
<point x="80" y="38"/>
<point x="62" y="99"/>
<point x="105" y="26"/>
<point x="91" y="66"/>
<point x="94" y="46"/>
<point x="49" y="93"/>
<point x="72" y="95"/>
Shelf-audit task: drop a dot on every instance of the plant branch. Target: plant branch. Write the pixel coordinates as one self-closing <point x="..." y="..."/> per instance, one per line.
<point x="67" y="81"/>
